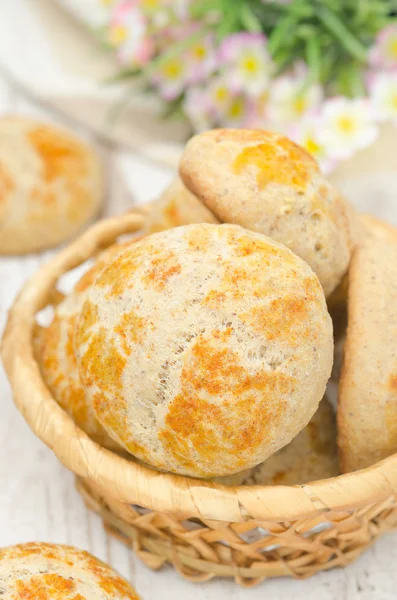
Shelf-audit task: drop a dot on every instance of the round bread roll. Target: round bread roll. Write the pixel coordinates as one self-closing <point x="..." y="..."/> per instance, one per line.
<point x="40" y="571"/>
<point x="205" y="348"/>
<point x="378" y="228"/>
<point x="312" y="455"/>
<point x="176" y="206"/>
<point x="54" y="350"/>
<point x="367" y="407"/>
<point x="50" y="185"/>
<point x="266" y="183"/>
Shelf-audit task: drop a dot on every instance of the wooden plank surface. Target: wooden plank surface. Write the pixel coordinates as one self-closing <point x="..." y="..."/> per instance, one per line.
<point x="38" y="500"/>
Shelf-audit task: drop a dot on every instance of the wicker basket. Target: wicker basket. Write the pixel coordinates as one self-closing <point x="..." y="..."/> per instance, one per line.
<point x="203" y="529"/>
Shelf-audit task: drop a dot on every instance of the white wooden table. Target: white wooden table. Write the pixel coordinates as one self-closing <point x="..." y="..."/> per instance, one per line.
<point x="38" y="500"/>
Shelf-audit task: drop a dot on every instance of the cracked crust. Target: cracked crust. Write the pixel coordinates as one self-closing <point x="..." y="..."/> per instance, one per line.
<point x="266" y="183"/>
<point x="205" y="348"/>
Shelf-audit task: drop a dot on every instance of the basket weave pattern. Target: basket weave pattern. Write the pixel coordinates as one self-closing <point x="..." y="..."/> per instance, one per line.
<point x="203" y="529"/>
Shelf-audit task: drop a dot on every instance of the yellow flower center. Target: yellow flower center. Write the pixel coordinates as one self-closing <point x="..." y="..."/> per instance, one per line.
<point x="199" y="52"/>
<point x="300" y="104"/>
<point x="236" y="109"/>
<point x="394" y="101"/>
<point x="312" y="146"/>
<point x="392" y="48"/>
<point x="172" y="69"/>
<point x="250" y="65"/>
<point x="221" y="94"/>
<point x="346" y="124"/>
<point x="117" y="35"/>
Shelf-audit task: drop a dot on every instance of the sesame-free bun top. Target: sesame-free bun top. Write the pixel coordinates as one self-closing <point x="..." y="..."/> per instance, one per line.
<point x="205" y="348"/>
<point x="176" y="206"/>
<point x="50" y="185"/>
<point x="43" y="571"/>
<point x="265" y="182"/>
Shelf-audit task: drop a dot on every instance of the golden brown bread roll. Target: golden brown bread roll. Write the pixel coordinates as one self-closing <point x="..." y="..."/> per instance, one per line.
<point x="41" y="571"/>
<point x="205" y="348"/>
<point x="266" y="183"/>
<point x="54" y="349"/>
<point x="176" y="206"/>
<point x="50" y="185"/>
<point x="311" y="455"/>
<point x="367" y="408"/>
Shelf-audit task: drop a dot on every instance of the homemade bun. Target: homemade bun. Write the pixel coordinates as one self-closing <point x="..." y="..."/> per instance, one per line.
<point x="312" y="455"/>
<point x="367" y="407"/>
<point x="50" y="185"/>
<point x="176" y="206"/>
<point x="54" y="349"/>
<point x="205" y="348"/>
<point x="40" y="571"/>
<point x="266" y="183"/>
<point x="378" y="228"/>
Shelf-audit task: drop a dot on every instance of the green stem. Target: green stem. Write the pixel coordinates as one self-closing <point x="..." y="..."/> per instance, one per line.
<point x="351" y="44"/>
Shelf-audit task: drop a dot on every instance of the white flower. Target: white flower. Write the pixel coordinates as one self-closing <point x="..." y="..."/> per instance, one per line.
<point x="171" y="77"/>
<point x="237" y="113"/>
<point x="346" y="126"/>
<point x="220" y="95"/>
<point x="384" y="52"/>
<point x="289" y="99"/>
<point x="247" y="61"/>
<point x="127" y="33"/>
<point x="384" y="96"/>
<point x="307" y="134"/>
<point x="201" y="57"/>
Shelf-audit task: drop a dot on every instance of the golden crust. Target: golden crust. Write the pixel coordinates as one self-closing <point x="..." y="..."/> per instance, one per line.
<point x="50" y="185"/>
<point x="41" y="571"/>
<point x="204" y="348"/>
<point x="54" y="348"/>
<point x="265" y="182"/>
<point x="367" y="409"/>
<point x="311" y="456"/>
<point x="175" y="207"/>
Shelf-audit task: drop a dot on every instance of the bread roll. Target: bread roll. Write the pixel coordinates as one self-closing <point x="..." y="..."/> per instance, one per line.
<point x="266" y="183"/>
<point x="54" y="349"/>
<point x="312" y="455"/>
<point x="176" y="206"/>
<point x="50" y="185"/>
<point x="205" y="348"/>
<point x="367" y="408"/>
<point x="378" y="228"/>
<point x="40" y="571"/>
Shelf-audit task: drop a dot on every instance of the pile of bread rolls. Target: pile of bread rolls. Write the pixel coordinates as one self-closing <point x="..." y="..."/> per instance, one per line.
<point x="40" y="571"/>
<point x="204" y="347"/>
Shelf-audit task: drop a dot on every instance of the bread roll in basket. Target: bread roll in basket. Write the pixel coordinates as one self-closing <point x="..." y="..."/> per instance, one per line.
<point x="203" y="528"/>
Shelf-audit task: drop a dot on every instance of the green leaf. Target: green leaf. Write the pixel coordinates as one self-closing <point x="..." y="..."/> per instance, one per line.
<point x="351" y="44"/>
<point x="249" y="20"/>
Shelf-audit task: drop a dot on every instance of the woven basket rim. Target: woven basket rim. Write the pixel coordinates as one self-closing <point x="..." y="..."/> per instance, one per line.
<point x="136" y="484"/>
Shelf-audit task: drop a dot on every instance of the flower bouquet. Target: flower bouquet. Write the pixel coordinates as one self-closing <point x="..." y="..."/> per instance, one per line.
<point x="324" y="72"/>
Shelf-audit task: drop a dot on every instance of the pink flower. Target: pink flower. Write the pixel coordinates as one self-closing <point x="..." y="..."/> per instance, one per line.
<point x="127" y="33"/>
<point x="384" y="52"/>
<point x="247" y="62"/>
<point x="198" y="109"/>
<point x="201" y="56"/>
<point x="383" y="95"/>
<point x="171" y="77"/>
